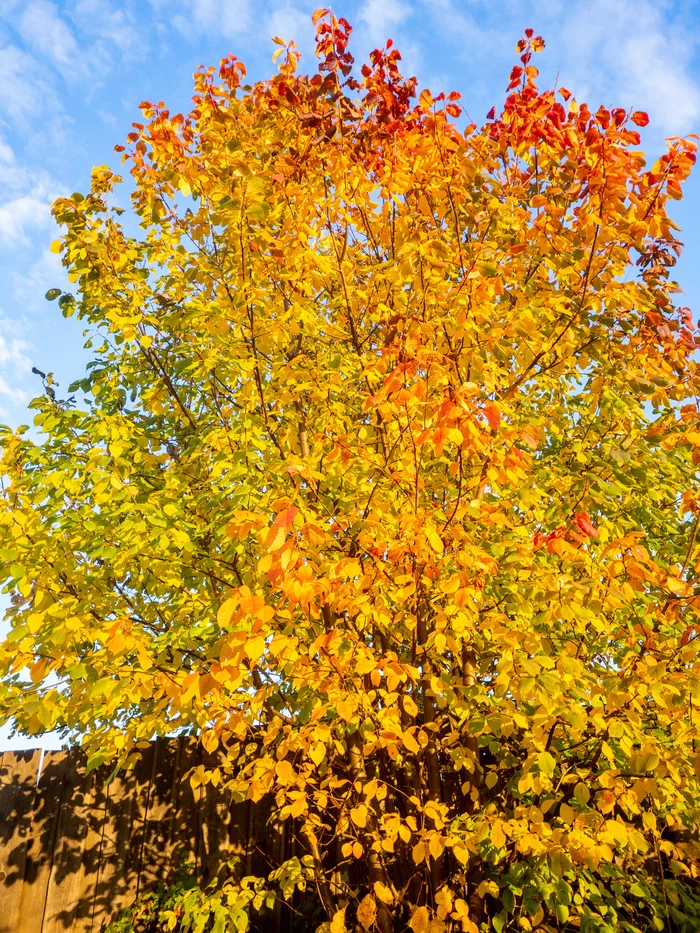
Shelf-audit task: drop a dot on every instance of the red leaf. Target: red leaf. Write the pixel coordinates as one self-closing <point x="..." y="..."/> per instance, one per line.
<point x="529" y="33"/>
<point x="640" y="118"/>
<point x="584" y="525"/>
<point x="491" y="114"/>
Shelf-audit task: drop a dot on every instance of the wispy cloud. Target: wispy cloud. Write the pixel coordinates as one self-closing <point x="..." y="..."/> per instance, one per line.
<point x="232" y="18"/>
<point x="29" y="288"/>
<point x="22" y="216"/>
<point x="14" y="361"/>
<point x="628" y="53"/>
<point x="115" y="24"/>
<point x="292" y="24"/>
<point x="381" y="18"/>
<point x="49" y="36"/>
<point x="25" y="198"/>
<point x="24" y="92"/>
<point x="641" y="54"/>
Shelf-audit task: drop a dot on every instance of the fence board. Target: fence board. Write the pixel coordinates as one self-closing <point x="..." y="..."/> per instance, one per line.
<point x="18" y="773"/>
<point x="78" y="835"/>
<point x="75" y="847"/>
<point x="42" y="841"/>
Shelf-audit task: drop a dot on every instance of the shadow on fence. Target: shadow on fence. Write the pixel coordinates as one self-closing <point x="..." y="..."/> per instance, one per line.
<point x="74" y="849"/>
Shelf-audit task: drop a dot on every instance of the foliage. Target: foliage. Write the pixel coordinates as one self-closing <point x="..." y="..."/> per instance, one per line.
<point x="385" y="484"/>
<point x="223" y="906"/>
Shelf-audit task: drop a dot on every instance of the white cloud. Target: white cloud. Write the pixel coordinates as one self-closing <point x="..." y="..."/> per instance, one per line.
<point x="23" y="93"/>
<point x="635" y="54"/>
<point x="29" y="287"/>
<point x="47" y="34"/>
<point x="22" y="216"/>
<point x="25" y="198"/>
<point x="381" y="18"/>
<point x="292" y="25"/>
<point x="627" y="53"/>
<point x="14" y="362"/>
<point x="226" y="18"/>
<point x="115" y="25"/>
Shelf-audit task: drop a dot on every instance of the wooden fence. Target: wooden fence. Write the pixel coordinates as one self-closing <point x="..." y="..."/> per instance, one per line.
<point x="75" y="848"/>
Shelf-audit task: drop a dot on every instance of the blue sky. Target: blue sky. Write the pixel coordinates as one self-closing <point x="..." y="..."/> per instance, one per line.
<point x="72" y="73"/>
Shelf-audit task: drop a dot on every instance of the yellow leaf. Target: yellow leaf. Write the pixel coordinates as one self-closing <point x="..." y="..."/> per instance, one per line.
<point x="383" y="893"/>
<point x="337" y="924"/>
<point x="567" y="813"/>
<point x="226" y="610"/>
<point x="435" y="542"/>
<point x="184" y="187"/>
<point x="420" y="919"/>
<point x="359" y="815"/>
<point x="367" y="911"/>
<point x="677" y="586"/>
<point x="255" y="647"/>
<point x="418" y="853"/>
<point x="275" y="538"/>
<point x="497" y="835"/>
<point x="346" y="708"/>
<point x="547" y="763"/>
<point x="56" y="246"/>
<point x="285" y="772"/>
<point x="436" y="846"/>
<point x="410" y="743"/>
<point x="317" y="753"/>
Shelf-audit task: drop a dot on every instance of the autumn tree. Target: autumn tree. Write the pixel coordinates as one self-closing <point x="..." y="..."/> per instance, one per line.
<point x="383" y="482"/>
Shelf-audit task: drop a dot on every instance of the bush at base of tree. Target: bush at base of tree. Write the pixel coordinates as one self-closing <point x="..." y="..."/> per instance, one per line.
<point x="385" y="484"/>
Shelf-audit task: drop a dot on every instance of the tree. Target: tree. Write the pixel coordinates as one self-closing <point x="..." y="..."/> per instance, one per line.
<point x="385" y="485"/>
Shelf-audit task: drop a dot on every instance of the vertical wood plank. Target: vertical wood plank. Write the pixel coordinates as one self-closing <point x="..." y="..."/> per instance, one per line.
<point x="214" y="846"/>
<point x="18" y="773"/>
<point x="122" y="837"/>
<point x="156" y="864"/>
<point x="46" y="813"/>
<point x="184" y="831"/>
<point x="76" y="848"/>
<point x="76" y="852"/>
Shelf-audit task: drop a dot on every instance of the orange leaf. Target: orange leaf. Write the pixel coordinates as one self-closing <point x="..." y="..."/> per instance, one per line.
<point x="426" y="99"/>
<point x="583" y="523"/>
<point x="493" y="416"/>
<point x="286" y="518"/>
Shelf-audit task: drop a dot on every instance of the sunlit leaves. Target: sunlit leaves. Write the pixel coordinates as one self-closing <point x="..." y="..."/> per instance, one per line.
<point x="383" y="480"/>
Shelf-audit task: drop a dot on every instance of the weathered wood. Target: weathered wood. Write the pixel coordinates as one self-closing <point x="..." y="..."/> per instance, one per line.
<point x="117" y="878"/>
<point x="156" y="857"/>
<point x="42" y="841"/>
<point x="76" y="847"/>
<point x="18" y="774"/>
<point x="76" y="852"/>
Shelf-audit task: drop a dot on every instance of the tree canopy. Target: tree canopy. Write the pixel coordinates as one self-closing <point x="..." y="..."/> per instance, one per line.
<point x="383" y="481"/>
